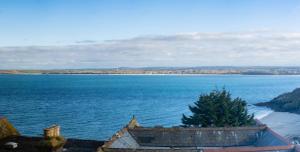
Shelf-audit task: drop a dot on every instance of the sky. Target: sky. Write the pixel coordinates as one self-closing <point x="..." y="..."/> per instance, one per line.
<point x="59" y="34"/>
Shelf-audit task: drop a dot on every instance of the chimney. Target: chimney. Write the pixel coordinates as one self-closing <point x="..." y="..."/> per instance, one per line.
<point x="53" y="131"/>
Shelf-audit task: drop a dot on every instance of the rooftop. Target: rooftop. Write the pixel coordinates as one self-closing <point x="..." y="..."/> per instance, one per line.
<point x="8" y="134"/>
<point x="134" y="137"/>
<point x="143" y="139"/>
<point x="29" y="144"/>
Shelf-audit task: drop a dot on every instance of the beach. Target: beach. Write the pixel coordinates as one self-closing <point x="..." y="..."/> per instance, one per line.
<point x="285" y="123"/>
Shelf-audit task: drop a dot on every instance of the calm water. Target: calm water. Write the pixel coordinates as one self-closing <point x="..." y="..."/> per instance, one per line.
<point x="95" y="106"/>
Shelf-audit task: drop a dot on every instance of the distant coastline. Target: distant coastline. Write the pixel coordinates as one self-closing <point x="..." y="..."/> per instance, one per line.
<point x="251" y="70"/>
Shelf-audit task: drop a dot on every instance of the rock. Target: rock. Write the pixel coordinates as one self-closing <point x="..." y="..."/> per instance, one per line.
<point x="287" y="102"/>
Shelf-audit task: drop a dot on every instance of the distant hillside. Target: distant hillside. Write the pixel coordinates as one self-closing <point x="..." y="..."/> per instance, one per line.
<point x="287" y="102"/>
<point x="251" y="70"/>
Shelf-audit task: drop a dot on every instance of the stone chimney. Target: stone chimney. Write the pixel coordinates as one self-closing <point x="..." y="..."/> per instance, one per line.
<point x="133" y="123"/>
<point x="53" y="131"/>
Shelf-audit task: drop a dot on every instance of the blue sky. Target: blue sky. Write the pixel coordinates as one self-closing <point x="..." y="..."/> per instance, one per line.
<point x="59" y="22"/>
<point x="51" y="34"/>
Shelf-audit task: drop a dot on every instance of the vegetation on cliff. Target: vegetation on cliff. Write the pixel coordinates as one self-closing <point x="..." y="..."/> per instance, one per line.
<point x="287" y="102"/>
<point x="218" y="109"/>
<point x="7" y="129"/>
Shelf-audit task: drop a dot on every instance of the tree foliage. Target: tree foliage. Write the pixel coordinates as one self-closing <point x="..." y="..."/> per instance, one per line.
<point x="218" y="109"/>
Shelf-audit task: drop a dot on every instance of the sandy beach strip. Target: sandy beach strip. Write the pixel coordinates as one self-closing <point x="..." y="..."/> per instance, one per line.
<point x="284" y="123"/>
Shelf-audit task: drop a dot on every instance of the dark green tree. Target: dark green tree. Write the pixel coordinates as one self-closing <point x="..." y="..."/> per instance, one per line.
<point x="218" y="109"/>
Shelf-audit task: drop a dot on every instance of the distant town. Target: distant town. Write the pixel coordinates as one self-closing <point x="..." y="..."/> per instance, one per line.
<point x="250" y="70"/>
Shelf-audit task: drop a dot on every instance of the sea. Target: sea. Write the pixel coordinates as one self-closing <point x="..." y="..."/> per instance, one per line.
<point x="96" y="106"/>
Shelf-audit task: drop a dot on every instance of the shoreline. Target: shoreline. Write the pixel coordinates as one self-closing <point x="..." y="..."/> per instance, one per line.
<point x="266" y="114"/>
<point x="105" y="74"/>
<point x="112" y="74"/>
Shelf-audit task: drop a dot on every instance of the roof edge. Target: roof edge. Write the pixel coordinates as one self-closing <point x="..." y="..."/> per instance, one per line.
<point x="133" y="123"/>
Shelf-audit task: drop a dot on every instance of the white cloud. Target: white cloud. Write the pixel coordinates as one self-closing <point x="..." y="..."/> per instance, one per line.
<point x="191" y="49"/>
<point x="85" y="41"/>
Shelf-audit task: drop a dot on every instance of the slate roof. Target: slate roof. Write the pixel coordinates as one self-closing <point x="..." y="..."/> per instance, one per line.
<point x="153" y="139"/>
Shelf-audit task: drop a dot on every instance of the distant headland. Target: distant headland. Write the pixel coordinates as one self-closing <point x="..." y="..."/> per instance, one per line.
<point x="286" y="102"/>
<point x="249" y="70"/>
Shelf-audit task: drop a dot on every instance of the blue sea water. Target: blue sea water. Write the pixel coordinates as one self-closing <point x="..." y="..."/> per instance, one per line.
<point x="96" y="106"/>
